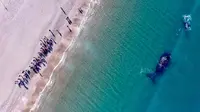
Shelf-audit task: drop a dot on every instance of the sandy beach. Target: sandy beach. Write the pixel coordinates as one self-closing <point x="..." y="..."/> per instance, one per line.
<point x="24" y="23"/>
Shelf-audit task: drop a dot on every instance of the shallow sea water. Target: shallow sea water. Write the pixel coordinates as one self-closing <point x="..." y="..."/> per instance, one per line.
<point x="122" y="43"/>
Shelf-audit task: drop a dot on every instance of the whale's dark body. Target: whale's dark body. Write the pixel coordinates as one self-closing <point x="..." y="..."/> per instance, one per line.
<point x="161" y="66"/>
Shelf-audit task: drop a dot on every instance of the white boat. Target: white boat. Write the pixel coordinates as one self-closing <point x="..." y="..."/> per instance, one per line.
<point x="187" y="21"/>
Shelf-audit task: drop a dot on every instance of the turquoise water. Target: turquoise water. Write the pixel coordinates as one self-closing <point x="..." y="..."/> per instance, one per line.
<point x="120" y="45"/>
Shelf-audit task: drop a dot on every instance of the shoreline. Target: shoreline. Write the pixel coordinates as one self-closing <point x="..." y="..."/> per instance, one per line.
<point x="16" y="33"/>
<point x="39" y="17"/>
<point x="63" y="42"/>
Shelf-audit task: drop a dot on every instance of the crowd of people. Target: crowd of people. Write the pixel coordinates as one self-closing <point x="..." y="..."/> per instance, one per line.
<point x="39" y="61"/>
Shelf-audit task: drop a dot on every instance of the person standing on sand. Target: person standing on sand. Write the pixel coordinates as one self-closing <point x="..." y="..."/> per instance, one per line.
<point x="59" y="33"/>
<point x="49" y="41"/>
<point x="36" y="64"/>
<point x="36" y="59"/>
<point x="4" y="6"/>
<point x="54" y="40"/>
<point x="63" y="10"/>
<point x="69" y="29"/>
<point x="52" y="33"/>
<point x="69" y="21"/>
<point x="41" y="54"/>
<point x="24" y="79"/>
<point x="50" y="48"/>
<point x="43" y="44"/>
<point x="44" y="40"/>
<point x="80" y="10"/>
<point x="44" y="51"/>
<point x="41" y="75"/>
<point x="33" y="69"/>
<point x="43" y="61"/>
<point x="28" y="71"/>
<point x="21" y="83"/>
<point x="26" y="74"/>
<point x="36" y="70"/>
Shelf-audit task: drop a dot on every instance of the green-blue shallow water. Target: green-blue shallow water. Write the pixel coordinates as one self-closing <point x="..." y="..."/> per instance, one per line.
<point x="121" y="44"/>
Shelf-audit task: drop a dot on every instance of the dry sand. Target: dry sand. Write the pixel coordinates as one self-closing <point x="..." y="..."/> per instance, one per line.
<point x="22" y="26"/>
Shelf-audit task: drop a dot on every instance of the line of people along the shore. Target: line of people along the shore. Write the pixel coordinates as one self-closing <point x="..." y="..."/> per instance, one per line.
<point x="39" y="61"/>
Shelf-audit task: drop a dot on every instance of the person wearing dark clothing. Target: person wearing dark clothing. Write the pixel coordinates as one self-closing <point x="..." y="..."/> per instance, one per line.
<point x="69" y="21"/>
<point x="63" y="10"/>
<point x="20" y="83"/>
